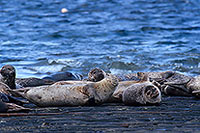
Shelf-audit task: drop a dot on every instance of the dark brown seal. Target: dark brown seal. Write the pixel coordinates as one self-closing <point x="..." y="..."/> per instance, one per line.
<point x="7" y="76"/>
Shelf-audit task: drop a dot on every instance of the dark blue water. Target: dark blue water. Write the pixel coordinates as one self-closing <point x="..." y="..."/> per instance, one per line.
<point x="116" y="35"/>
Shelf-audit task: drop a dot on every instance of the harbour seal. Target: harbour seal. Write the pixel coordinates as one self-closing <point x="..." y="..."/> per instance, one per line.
<point x="7" y="76"/>
<point x="75" y="94"/>
<point x="176" y="85"/>
<point x="98" y="74"/>
<point x="171" y="83"/>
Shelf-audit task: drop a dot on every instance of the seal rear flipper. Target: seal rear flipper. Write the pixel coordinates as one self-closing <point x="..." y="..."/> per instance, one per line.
<point x="17" y="100"/>
<point x="16" y="108"/>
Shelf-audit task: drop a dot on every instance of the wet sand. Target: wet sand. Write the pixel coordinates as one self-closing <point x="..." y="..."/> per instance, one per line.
<point x="180" y="114"/>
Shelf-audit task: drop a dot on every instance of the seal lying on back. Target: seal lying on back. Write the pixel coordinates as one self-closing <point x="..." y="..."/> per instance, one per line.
<point x="144" y="93"/>
<point x="73" y="94"/>
<point x="98" y="74"/>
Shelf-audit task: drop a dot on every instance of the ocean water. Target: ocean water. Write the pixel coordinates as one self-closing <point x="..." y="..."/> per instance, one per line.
<point x="115" y="35"/>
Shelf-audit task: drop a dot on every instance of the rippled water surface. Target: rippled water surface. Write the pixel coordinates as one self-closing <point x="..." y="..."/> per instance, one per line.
<point x="119" y="36"/>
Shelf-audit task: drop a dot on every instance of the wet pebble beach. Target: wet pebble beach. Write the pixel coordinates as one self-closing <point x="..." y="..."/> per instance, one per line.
<point x="177" y="114"/>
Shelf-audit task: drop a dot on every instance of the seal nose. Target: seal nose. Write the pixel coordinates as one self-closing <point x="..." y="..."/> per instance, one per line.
<point x="11" y="72"/>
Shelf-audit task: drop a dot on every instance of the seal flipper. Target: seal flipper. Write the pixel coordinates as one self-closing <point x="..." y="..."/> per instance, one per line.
<point x="19" y="92"/>
<point x="17" y="100"/>
<point x="10" y="99"/>
<point x="16" y="108"/>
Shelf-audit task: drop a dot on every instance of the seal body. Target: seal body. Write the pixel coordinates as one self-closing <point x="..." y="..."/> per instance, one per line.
<point x="72" y="94"/>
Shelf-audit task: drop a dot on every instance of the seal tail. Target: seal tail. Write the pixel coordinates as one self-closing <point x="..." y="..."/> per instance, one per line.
<point x="16" y="108"/>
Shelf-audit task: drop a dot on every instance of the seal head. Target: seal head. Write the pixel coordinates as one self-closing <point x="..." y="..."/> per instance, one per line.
<point x="96" y="75"/>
